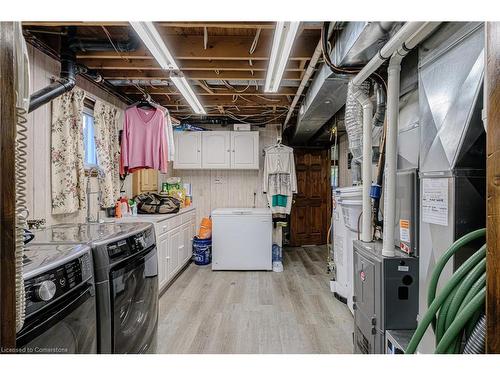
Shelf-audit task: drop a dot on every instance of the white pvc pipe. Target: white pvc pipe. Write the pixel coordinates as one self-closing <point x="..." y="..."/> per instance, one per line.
<point x="407" y="30"/>
<point x="366" y="171"/>
<point x="391" y="145"/>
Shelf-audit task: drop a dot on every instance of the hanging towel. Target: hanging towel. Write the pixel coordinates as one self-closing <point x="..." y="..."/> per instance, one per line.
<point x="280" y="200"/>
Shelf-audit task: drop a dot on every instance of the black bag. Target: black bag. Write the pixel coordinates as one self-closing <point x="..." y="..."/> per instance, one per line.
<point x="153" y="203"/>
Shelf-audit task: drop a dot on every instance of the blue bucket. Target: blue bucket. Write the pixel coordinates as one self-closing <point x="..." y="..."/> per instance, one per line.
<point x="202" y="251"/>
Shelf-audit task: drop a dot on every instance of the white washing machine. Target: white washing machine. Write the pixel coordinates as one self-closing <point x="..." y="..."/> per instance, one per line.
<point x="344" y="232"/>
<point x="242" y="239"/>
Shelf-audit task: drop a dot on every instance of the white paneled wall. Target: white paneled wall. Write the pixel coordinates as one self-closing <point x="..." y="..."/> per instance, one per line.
<point x="42" y="69"/>
<point x="227" y="188"/>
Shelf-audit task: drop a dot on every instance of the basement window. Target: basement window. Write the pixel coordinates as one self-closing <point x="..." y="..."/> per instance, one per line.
<point x="90" y="159"/>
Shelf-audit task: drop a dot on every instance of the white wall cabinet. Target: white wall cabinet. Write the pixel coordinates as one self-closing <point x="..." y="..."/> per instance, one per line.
<point x="187" y="150"/>
<point x="245" y="150"/>
<point x="217" y="150"/>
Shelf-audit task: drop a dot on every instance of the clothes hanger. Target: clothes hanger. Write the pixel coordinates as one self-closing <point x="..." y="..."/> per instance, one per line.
<point x="146" y="101"/>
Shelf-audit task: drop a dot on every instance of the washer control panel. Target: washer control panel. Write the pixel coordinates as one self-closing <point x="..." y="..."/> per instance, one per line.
<point x="46" y="287"/>
<point x="131" y="245"/>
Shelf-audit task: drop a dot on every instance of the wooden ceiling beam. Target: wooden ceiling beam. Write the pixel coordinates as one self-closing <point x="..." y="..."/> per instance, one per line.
<point x="220" y="25"/>
<point x="194" y="75"/>
<point x="219" y="48"/>
<point x="284" y="91"/>
<point x="254" y="101"/>
<point x="222" y="65"/>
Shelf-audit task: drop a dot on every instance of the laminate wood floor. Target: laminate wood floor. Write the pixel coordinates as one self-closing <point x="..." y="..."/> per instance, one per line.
<point x="256" y="312"/>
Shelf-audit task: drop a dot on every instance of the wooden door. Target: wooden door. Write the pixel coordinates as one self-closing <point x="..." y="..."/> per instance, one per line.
<point x="245" y="153"/>
<point x="216" y="150"/>
<point x="310" y="216"/>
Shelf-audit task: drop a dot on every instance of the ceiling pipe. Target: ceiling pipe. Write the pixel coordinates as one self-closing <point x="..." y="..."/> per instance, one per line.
<point x="81" y="45"/>
<point x="385" y="52"/>
<point x="393" y="91"/>
<point x="407" y="30"/>
<point x="64" y="83"/>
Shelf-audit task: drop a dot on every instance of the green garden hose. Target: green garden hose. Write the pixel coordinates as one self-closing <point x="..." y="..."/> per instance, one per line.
<point x="459" y="304"/>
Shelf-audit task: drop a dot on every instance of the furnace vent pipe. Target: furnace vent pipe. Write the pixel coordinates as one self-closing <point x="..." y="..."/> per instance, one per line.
<point x="391" y="150"/>
<point x="385" y="52"/>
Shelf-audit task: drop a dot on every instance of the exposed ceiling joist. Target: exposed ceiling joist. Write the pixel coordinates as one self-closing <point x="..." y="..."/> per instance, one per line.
<point x="221" y="65"/>
<point x="284" y="91"/>
<point x="217" y="69"/>
<point x="220" y="25"/>
<point x="254" y="101"/>
<point x="220" y="48"/>
<point x="194" y="74"/>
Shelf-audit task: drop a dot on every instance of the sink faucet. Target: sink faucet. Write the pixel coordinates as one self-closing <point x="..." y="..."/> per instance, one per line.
<point x="99" y="173"/>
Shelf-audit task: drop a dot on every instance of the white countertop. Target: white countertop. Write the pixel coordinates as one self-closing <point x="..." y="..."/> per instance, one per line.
<point x="150" y="218"/>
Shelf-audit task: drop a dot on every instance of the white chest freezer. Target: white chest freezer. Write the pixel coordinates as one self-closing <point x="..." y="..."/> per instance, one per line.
<point x="242" y="239"/>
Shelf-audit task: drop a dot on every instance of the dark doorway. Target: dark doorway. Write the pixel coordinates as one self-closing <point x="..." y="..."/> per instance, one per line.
<point x="310" y="214"/>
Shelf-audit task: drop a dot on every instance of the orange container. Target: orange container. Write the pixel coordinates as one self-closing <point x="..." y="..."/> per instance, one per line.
<point x="205" y="228"/>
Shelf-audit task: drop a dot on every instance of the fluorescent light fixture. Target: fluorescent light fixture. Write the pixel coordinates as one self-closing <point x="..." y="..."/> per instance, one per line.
<point x="183" y="86"/>
<point x="155" y="44"/>
<point x="284" y="35"/>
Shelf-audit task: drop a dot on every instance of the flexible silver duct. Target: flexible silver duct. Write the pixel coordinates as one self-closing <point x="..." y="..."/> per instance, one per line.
<point x="476" y="342"/>
<point x="379" y="116"/>
<point x="354" y="127"/>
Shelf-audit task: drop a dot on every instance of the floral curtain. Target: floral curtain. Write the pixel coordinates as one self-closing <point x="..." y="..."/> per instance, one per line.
<point x="108" y="151"/>
<point x="67" y="153"/>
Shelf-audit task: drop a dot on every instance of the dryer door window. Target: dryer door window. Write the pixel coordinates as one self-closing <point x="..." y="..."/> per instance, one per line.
<point x="135" y="303"/>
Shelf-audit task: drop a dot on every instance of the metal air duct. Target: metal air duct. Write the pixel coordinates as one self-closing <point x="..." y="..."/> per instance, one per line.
<point x="357" y="43"/>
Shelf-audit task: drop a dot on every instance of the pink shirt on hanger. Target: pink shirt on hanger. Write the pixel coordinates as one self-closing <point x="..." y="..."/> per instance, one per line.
<point x="144" y="144"/>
